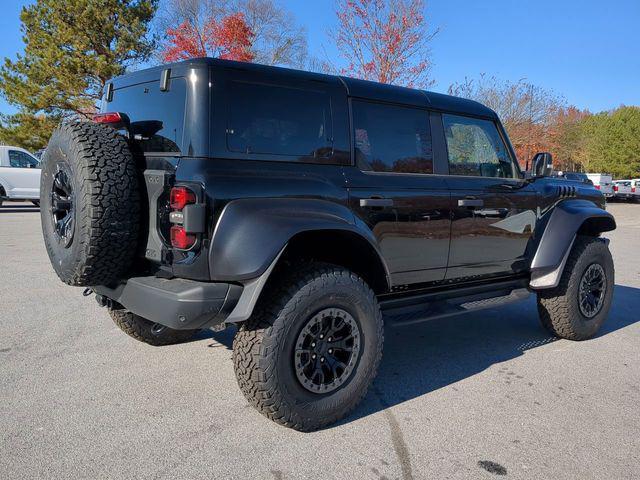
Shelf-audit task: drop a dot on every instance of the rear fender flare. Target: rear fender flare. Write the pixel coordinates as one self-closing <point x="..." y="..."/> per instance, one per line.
<point x="252" y="233"/>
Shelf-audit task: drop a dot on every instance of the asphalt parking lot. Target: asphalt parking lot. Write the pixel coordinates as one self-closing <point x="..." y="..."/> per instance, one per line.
<point x="477" y="396"/>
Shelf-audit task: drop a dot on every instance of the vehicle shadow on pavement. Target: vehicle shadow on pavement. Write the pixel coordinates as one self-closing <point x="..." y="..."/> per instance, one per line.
<point x="422" y="358"/>
<point x="222" y="339"/>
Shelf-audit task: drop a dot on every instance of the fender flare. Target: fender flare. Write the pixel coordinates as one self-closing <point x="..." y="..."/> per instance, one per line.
<point x="568" y="219"/>
<point x="251" y="233"/>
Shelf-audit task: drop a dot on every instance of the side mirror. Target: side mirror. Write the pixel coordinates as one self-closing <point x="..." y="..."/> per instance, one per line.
<point x="541" y="165"/>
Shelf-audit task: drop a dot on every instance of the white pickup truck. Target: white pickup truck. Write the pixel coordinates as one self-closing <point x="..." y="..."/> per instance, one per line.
<point x="602" y="182"/>
<point x="19" y="175"/>
<point x="624" y="190"/>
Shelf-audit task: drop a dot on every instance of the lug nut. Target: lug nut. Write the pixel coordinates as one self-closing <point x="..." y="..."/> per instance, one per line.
<point x="313" y="356"/>
<point x="313" y="344"/>
<point x="329" y="339"/>
<point x="331" y="350"/>
<point x="321" y="336"/>
<point x="322" y="359"/>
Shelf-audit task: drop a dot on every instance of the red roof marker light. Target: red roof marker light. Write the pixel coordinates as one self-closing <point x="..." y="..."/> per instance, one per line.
<point x="109" y="117"/>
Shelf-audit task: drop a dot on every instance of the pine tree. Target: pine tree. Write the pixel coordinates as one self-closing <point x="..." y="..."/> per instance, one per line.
<point x="612" y="142"/>
<point x="71" y="49"/>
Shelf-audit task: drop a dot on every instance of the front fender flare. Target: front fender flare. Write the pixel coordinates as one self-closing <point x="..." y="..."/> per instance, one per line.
<point x="567" y="220"/>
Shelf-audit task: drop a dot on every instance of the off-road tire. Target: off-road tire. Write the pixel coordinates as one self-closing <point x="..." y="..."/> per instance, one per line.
<point x="558" y="307"/>
<point x="105" y="183"/>
<point x="148" y="332"/>
<point x="263" y="348"/>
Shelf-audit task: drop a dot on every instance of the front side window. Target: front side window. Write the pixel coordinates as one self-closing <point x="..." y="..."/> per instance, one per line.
<point x="20" y="159"/>
<point x="475" y="148"/>
<point x="275" y="120"/>
<point x="390" y="138"/>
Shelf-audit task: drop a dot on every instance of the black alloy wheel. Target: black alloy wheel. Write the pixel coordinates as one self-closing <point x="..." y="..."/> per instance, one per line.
<point x="62" y="206"/>
<point x="591" y="293"/>
<point x="327" y="350"/>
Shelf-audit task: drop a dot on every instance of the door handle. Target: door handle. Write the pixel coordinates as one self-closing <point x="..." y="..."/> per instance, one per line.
<point x="471" y="202"/>
<point x="376" y="202"/>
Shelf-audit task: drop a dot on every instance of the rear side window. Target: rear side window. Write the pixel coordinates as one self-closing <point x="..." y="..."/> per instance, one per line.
<point x="20" y="159"/>
<point x="157" y="117"/>
<point x="276" y="120"/>
<point x="475" y="148"/>
<point x="391" y="138"/>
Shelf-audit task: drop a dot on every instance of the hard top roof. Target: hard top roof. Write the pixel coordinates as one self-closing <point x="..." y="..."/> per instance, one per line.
<point x="355" y="87"/>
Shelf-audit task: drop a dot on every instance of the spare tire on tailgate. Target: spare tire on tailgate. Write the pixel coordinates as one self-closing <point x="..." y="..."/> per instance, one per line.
<point x="89" y="204"/>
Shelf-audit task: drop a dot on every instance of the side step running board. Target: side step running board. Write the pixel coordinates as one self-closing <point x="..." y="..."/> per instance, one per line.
<point x="419" y="313"/>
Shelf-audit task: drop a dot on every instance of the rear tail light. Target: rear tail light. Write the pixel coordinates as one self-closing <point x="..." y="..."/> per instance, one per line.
<point x="633" y="189"/>
<point x="179" y="198"/>
<point x="615" y="188"/>
<point x="180" y="238"/>
<point x="597" y="187"/>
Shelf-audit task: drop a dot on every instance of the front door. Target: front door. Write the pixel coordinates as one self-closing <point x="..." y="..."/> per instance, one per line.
<point x="24" y="175"/>
<point x="494" y="210"/>
<point x="395" y="190"/>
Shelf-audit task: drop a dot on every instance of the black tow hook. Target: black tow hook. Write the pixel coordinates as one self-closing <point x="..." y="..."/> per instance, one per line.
<point x="106" y="302"/>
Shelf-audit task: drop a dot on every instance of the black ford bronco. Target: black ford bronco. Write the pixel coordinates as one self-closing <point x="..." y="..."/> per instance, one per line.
<point x="300" y="207"/>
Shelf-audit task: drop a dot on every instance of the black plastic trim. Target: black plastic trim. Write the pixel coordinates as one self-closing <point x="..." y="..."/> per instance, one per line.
<point x="176" y="303"/>
<point x="565" y="222"/>
<point x="251" y="232"/>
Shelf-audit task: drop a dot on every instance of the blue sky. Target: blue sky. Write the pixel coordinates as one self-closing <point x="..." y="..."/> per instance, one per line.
<point x="587" y="51"/>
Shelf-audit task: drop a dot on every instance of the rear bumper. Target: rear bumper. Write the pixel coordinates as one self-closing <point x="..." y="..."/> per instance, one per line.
<point x="176" y="303"/>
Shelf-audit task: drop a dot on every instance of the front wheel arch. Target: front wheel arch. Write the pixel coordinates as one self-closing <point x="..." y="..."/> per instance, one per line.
<point x="594" y="226"/>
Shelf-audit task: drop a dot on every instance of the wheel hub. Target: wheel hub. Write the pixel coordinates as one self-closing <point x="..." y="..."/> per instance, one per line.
<point x="592" y="290"/>
<point x="327" y="350"/>
<point x="62" y="207"/>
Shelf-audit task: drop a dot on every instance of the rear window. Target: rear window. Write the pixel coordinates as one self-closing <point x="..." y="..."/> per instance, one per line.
<point x="276" y="120"/>
<point x="390" y="138"/>
<point x="157" y="117"/>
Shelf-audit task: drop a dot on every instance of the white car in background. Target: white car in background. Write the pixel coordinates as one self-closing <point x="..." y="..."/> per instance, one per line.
<point x="602" y="182"/>
<point x="635" y="188"/>
<point x="623" y="190"/>
<point x="19" y="175"/>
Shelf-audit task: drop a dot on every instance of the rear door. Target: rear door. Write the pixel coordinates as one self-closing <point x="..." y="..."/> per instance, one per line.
<point x="396" y="190"/>
<point x="494" y="210"/>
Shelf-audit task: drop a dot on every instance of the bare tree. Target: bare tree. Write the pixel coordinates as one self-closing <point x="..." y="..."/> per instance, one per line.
<point x="277" y="39"/>
<point x="385" y="40"/>
<point x="527" y="111"/>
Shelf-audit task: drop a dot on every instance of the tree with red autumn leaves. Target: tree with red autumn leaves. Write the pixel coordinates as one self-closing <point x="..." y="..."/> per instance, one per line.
<point x="385" y="41"/>
<point x="229" y="38"/>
